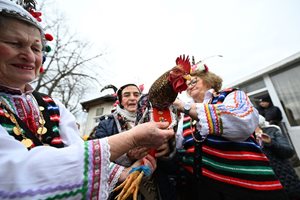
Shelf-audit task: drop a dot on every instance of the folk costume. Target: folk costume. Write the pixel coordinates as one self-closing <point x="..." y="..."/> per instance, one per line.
<point x="18" y="113"/>
<point x="219" y="156"/>
<point x="32" y="128"/>
<point x="118" y="121"/>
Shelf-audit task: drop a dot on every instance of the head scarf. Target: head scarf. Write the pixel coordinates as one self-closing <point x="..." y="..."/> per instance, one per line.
<point x="13" y="10"/>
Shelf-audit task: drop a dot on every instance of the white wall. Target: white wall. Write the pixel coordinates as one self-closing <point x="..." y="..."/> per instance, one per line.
<point x="90" y="122"/>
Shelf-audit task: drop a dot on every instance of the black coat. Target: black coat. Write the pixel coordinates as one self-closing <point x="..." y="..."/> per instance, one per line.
<point x="278" y="152"/>
<point x="272" y="114"/>
<point x="106" y="127"/>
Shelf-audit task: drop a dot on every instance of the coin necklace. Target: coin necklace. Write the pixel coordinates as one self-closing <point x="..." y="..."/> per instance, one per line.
<point x="17" y="130"/>
<point x="41" y="130"/>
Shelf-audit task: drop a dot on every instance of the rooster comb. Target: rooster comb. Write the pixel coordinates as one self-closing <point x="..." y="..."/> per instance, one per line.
<point x="184" y="62"/>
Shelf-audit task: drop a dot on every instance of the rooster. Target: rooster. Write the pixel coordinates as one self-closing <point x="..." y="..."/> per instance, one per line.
<point x="157" y="106"/>
<point x="165" y="89"/>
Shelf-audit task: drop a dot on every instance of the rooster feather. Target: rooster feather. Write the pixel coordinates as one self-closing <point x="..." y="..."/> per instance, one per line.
<point x="163" y="92"/>
<point x="165" y="89"/>
<point x="156" y="105"/>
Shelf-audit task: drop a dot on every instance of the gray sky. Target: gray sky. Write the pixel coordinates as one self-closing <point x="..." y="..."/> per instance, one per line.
<point x="143" y="38"/>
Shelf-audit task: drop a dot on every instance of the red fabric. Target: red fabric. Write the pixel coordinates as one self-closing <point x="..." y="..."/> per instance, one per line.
<point x="162" y="115"/>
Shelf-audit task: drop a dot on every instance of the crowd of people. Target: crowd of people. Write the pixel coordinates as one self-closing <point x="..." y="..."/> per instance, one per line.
<point x="222" y="151"/>
<point x="42" y="154"/>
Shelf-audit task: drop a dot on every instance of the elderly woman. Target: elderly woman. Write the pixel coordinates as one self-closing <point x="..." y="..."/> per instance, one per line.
<point x="219" y="157"/>
<point x="122" y="119"/>
<point x="42" y="154"/>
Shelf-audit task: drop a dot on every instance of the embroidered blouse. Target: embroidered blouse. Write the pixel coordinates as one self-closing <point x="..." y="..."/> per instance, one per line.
<point x="79" y="170"/>
<point x="235" y="119"/>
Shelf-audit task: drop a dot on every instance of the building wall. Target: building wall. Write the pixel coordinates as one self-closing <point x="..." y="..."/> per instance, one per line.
<point x="91" y="118"/>
<point x="282" y="83"/>
<point x="277" y="85"/>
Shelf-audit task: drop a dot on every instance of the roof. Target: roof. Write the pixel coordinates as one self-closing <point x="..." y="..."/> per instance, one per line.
<point x="276" y="66"/>
<point x="93" y="102"/>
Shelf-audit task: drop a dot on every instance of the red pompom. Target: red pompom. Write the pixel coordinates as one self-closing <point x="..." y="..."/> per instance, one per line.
<point x="48" y="37"/>
<point x="141" y="87"/>
<point x="116" y="103"/>
<point x="42" y="70"/>
<point x="36" y="15"/>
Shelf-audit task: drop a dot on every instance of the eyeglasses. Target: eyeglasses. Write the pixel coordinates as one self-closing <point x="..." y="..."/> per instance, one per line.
<point x="192" y="82"/>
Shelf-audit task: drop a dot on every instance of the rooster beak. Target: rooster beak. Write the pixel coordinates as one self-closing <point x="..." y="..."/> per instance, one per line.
<point x="187" y="77"/>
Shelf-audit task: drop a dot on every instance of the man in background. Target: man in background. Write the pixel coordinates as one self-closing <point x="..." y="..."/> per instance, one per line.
<point x="271" y="113"/>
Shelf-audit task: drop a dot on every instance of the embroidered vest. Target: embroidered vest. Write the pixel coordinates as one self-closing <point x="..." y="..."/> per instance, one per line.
<point x="238" y="167"/>
<point x="50" y="112"/>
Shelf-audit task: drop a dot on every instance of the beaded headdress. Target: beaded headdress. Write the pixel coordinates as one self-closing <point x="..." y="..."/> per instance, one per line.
<point x="199" y="66"/>
<point x="25" y="10"/>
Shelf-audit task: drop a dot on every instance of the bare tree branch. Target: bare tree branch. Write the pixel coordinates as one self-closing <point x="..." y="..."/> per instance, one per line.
<point x="69" y="69"/>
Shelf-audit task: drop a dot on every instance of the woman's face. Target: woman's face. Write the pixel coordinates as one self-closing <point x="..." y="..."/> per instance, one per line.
<point x="196" y="88"/>
<point x="20" y="53"/>
<point x="130" y="97"/>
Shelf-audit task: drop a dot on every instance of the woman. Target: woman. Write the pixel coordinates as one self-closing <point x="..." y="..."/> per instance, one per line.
<point x="123" y="119"/>
<point x="219" y="157"/>
<point x="42" y="154"/>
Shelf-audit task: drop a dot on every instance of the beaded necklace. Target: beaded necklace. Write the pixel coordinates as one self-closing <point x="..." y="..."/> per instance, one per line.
<point x="30" y="122"/>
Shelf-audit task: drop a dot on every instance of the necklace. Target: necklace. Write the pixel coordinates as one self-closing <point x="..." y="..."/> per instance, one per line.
<point x="17" y="130"/>
<point x="41" y="130"/>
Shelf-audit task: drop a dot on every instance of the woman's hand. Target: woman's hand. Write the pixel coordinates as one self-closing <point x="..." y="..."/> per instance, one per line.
<point x="265" y="138"/>
<point x="163" y="150"/>
<point x="151" y="134"/>
<point x="137" y="153"/>
<point x="178" y="104"/>
<point x="148" y="160"/>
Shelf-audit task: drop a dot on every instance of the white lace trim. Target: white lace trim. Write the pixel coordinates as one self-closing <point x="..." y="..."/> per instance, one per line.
<point x="105" y="154"/>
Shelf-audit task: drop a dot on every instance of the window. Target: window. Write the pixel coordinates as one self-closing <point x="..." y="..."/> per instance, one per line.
<point x="287" y="85"/>
<point x="99" y="111"/>
<point x="252" y="86"/>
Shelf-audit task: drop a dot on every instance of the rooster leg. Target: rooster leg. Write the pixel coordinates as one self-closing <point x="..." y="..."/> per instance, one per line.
<point x="127" y="186"/>
<point x="134" y="185"/>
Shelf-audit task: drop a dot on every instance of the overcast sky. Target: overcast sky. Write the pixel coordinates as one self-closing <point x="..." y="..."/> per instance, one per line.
<point x="142" y="39"/>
